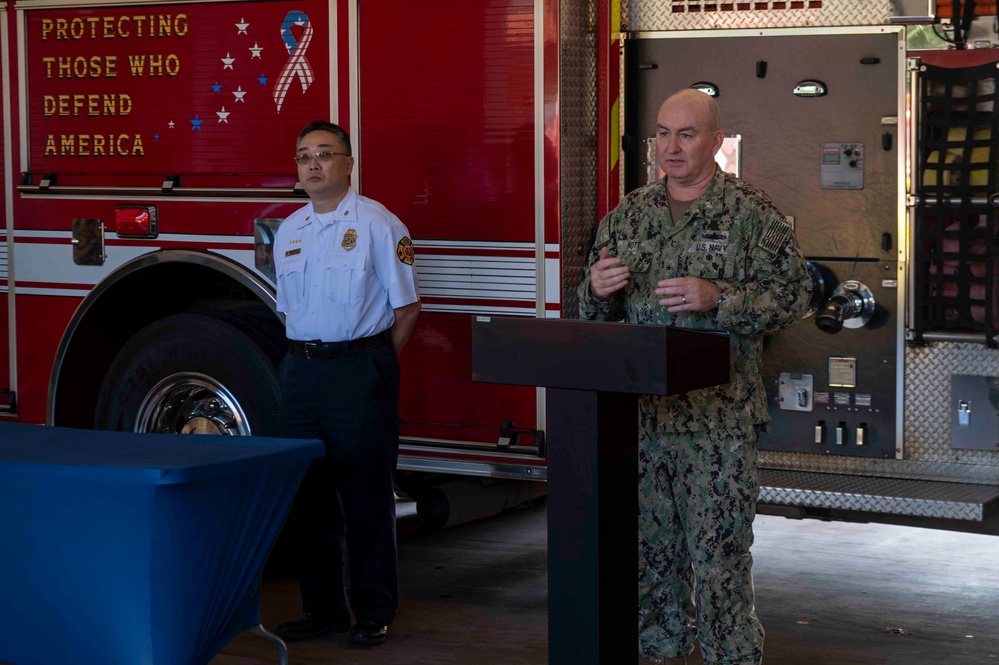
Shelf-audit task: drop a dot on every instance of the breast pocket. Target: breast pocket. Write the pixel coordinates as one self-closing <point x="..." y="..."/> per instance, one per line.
<point x="344" y="277"/>
<point x="636" y="255"/>
<point x="712" y="259"/>
<point x="291" y="283"/>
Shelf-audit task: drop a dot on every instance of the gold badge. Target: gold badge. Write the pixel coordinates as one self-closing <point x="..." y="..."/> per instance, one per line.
<point x="293" y="252"/>
<point x="349" y="239"/>
<point x="405" y="251"/>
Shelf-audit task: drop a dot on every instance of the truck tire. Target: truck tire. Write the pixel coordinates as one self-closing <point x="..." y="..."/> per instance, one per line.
<point x="190" y="373"/>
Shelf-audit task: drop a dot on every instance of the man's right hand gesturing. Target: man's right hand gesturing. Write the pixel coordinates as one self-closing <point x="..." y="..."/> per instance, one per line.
<point x="607" y="275"/>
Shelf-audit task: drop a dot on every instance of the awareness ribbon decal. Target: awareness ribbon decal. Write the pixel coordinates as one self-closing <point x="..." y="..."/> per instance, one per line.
<point x="297" y="64"/>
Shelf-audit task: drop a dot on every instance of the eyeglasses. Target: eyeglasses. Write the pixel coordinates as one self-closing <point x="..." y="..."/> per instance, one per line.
<point x="323" y="157"/>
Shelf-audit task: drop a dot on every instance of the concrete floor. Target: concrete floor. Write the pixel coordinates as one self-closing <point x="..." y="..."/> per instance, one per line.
<point x="827" y="593"/>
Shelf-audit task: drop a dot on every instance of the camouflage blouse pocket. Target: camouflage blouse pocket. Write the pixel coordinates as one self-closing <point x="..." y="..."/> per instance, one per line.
<point x="636" y="255"/>
<point x="711" y="256"/>
<point x="714" y="268"/>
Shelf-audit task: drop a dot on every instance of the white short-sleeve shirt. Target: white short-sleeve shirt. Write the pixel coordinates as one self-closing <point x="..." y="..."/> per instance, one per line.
<point x="340" y="275"/>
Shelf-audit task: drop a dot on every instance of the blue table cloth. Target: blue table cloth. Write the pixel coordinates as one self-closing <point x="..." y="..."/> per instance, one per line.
<point x="121" y="548"/>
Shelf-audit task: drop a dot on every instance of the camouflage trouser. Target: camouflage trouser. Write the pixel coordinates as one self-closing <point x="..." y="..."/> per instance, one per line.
<point x="696" y="504"/>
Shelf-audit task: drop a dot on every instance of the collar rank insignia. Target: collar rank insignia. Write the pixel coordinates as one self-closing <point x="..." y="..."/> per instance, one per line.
<point x="349" y="240"/>
<point x="405" y="251"/>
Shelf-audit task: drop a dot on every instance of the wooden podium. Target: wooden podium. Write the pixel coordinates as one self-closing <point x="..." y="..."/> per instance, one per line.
<point x="594" y="372"/>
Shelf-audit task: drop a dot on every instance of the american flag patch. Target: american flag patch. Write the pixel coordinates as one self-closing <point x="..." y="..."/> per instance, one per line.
<point x="776" y="237"/>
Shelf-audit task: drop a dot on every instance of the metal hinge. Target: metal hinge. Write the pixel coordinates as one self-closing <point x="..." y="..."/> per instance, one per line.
<point x="521" y="439"/>
<point x="8" y="401"/>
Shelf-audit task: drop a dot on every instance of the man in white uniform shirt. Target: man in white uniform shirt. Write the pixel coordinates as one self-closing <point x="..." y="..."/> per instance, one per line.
<point x="347" y="286"/>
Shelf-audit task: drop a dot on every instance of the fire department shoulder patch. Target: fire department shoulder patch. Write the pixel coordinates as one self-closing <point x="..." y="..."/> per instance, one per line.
<point x="405" y="251"/>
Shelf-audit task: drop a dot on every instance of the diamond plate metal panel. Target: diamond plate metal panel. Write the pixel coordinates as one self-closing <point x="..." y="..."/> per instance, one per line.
<point x="888" y="468"/>
<point x="927" y="399"/>
<point x="877" y="495"/>
<point x="577" y="142"/>
<point x="654" y="15"/>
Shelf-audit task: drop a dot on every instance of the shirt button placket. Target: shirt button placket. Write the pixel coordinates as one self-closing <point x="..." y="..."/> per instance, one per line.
<point x="316" y="274"/>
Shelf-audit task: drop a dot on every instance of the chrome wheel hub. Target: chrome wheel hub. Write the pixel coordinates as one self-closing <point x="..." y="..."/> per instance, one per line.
<point x="191" y="403"/>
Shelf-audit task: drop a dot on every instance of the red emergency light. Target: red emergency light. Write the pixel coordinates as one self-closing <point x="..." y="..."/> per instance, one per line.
<point x="135" y="221"/>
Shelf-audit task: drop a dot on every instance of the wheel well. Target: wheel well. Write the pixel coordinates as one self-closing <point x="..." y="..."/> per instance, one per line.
<point x="140" y="293"/>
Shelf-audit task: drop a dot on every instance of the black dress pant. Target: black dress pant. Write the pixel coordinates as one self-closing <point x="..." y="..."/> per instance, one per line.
<point x="346" y="500"/>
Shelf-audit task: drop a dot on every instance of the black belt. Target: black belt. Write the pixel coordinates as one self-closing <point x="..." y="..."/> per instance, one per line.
<point x="327" y="350"/>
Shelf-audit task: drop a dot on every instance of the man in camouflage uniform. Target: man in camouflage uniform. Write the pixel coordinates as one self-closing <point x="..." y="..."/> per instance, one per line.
<point x="698" y="249"/>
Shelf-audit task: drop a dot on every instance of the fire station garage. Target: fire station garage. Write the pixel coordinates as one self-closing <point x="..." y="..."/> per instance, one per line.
<point x="146" y="184"/>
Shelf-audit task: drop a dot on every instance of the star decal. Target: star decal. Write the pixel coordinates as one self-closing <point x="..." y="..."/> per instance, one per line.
<point x="262" y="79"/>
<point x="223" y="116"/>
<point x="227" y="62"/>
<point x="239" y="93"/>
<point x="217" y="88"/>
<point x="255" y="50"/>
<point x="242" y="26"/>
<point x="170" y="124"/>
<point x="196" y="123"/>
<point x="156" y="137"/>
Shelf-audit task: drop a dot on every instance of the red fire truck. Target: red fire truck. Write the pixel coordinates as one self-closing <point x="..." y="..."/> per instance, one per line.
<point x="147" y="164"/>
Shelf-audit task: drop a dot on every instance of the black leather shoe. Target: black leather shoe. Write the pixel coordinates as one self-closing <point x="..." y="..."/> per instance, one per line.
<point x="368" y="633"/>
<point x="308" y="627"/>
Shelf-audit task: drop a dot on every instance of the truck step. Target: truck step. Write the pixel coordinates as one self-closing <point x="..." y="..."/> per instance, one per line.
<point x="898" y="496"/>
